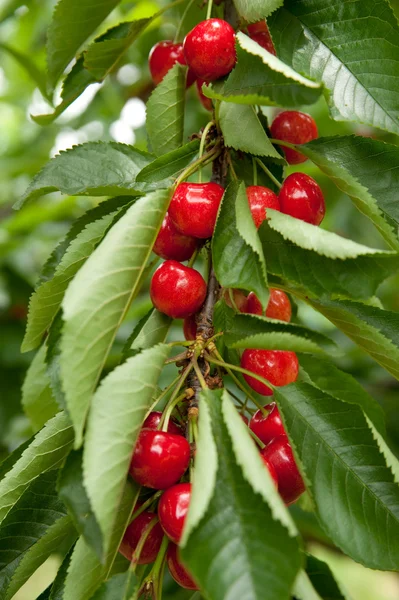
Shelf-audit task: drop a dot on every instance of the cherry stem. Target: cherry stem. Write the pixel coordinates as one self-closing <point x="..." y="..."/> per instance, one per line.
<point x="233" y="173"/>
<point x="199" y="375"/>
<point x="202" y="161"/>
<point x="170" y="409"/>
<point x="257" y="440"/>
<point x="142" y="541"/>
<point x="163" y="394"/>
<point x="268" y="173"/>
<point x="209" y="11"/>
<point x="241" y="370"/>
<point x="145" y="505"/>
<point x="282" y="143"/>
<point x="156" y="574"/>
<point x="194" y="257"/>
<point x="184" y="15"/>
<point x="233" y="302"/>
<point x="202" y="146"/>
<point x="255" y="171"/>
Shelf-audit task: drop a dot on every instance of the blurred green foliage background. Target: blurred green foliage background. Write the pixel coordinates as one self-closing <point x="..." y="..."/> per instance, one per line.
<point x="115" y="110"/>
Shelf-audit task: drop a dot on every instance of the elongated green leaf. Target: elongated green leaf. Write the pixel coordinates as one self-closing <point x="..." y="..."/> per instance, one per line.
<point x="102" y="292"/>
<point x="373" y="329"/>
<point x="322" y="579"/>
<point x="321" y="262"/>
<point x="240" y="506"/>
<point x="150" y="331"/>
<point x="107" y="456"/>
<point x="169" y="164"/>
<point x="119" y="587"/>
<point x="261" y="78"/>
<point x="37" y="398"/>
<point x="258" y="9"/>
<point x="235" y="235"/>
<point x="352" y="47"/>
<point x="73" y="22"/>
<point x="26" y="63"/>
<point x="92" y="169"/>
<point x="242" y="130"/>
<point x="47" y="451"/>
<point x="47" y="298"/>
<point x="303" y="588"/>
<point x="165" y="112"/>
<point x="56" y="590"/>
<point x="348" y="480"/>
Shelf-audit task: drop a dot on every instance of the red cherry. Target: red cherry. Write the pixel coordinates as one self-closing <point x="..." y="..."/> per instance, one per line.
<point x="190" y="328"/>
<point x="277" y="366"/>
<point x="278" y="307"/>
<point x="172" y="510"/>
<point x="132" y="537"/>
<point x="171" y="244"/>
<point x="269" y="426"/>
<point x="209" y="49"/>
<point x="259" y="199"/>
<point x="176" y="290"/>
<point x="177" y="570"/>
<point x="301" y="197"/>
<point x="163" y="56"/>
<point x="194" y="208"/>
<point x="290" y="482"/>
<point x="153" y="420"/>
<point x="294" y="127"/>
<point x="244" y="418"/>
<point x="258" y="27"/>
<point x="271" y="469"/>
<point x="159" y="459"/>
<point x="259" y="32"/>
<point x="240" y="299"/>
<point x="205" y="101"/>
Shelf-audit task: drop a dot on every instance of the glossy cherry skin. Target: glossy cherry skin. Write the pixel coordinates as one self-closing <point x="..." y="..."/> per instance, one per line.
<point x="194" y="208"/>
<point x="190" y="328"/>
<point x="267" y="427"/>
<point x="153" y="420"/>
<point x="290" y="482"/>
<point x="163" y="56"/>
<point x="259" y="199"/>
<point x="294" y="127"/>
<point x="240" y="299"/>
<point x="132" y="537"/>
<point x="159" y="459"/>
<point x="278" y="307"/>
<point x="301" y="197"/>
<point x="277" y="366"/>
<point x="271" y="469"/>
<point x="177" y="570"/>
<point x="259" y="32"/>
<point x="177" y="290"/>
<point x="209" y="49"/>
<point x="172" y="510"/>
<point x="205" y="101"/>
<point x="173" y="245"/>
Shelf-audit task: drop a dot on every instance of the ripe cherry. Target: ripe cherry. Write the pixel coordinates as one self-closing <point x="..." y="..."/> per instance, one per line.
<point x="244" y="418"/>
<point x="176" y="290"/>
<point x="177" y="570"/>
<point x="194" y="208"/>
<point x="171" y="244"/>
<point x="259" y="32"/>
<point x="190" y="328"/>
<point x="269" y="426"/>
<point x="205" y="101"/>
<point x="301" y="197"/>
<point x="290" y="482"/>
<point x="159" y="459"/>
<point x="153" y="420"/>
<point x="209" y="49"/>
<point x="132" y="537"/>
<point x="239" y="298"/>
<point x="294" y="127"/>
<point x="277" y="366"/>
<point x="271" y="469"/>
<point x="259" y="199"/>
<point x="172" y="510"/>
<point x="163" y="56"/>
<point x="278" y="307"/>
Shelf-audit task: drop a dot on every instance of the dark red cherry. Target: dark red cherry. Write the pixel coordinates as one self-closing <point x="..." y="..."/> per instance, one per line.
<point x="259" y="199"/>
<point x="278" y="307"/>
<point x="132" y="537"/>
<point x="267" y="427"/>
<point x="209" y="49"/>
<point x="259" y="32"/>
<point x="153" y="420"/>
<point x="271" y="469"/>
<point x="301" y="197"/>
<point x="177" y="570"/>
<point x="176" y="290"/>
<point x="173" y="245"/>
<point x="294" y="127"/>
<point x="277" y="366"/>
<point x="172" y="510"/>
<point x="194" y="208"/>
<point x="290" y="482"/>
<point x="159" y="459"/>
<point x="190" y="328"/>
<point x="205" y="101"/>
<point x="240" y="299"/>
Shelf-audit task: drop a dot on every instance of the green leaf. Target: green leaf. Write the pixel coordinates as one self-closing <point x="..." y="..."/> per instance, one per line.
<point x="37" y="399"/>
<point x="321" y="262"/>
<point x="256" y="10"/>
<point x="47" y="451"/>
<point x="91" y="169"/>
<point x="106" y="456"/>
<point x="235" y="235"/>
<point x="47" y="298"/>
<point x="236" y="523"/>
<point x="101" y="292"/>
<point x="322" y="579"/>
<point x="119" y="587"/>
<point x="72" y="492"/>
<point x="303" y="588"/>
<point x="366" y="170"/>
<point x="353" y="48"/>
<point x="151" y="330"/>
<point x="261" y="78"/>
<point x="242" y="130"/>
<point x="33" y="529"/>
<point x="348" y="480"/>
<point x="56" y="590"/>
<point x="73" y="22"/>
<point x="170" y="164"/>
<point x="376" y="331"/>
<point x="165" y="112"/>
<point x="26" y="63"/>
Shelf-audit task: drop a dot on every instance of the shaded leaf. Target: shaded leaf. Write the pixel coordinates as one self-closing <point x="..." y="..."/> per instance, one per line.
<point x="37" y="399"/>
<point x="26" y="63"/>
<point x="119" y="587"/>
<point x="151" y="330"/>
<point x="322" y="579"/>
<point x="169" y="164"/>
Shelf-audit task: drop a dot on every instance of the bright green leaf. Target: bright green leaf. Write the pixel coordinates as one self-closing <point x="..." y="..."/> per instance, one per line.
<point x="37" y="398"/>
<point x="26" y="63"/>
<point x="255" y="10"/>
<point x="169" y="164"/>
<point x="151" y="330"/>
